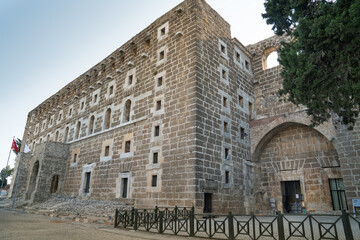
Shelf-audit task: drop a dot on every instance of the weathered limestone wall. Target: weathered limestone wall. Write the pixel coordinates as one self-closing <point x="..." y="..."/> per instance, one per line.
<point x="213" y="137"/>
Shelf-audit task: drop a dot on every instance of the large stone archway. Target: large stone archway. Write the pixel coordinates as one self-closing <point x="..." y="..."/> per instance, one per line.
<point x="297" y="154"/>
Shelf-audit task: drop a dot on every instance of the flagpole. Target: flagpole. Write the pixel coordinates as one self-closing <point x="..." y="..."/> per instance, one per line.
<point x="3" y="177"/>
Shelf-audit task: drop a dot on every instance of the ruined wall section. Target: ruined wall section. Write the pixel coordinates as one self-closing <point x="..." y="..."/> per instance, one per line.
<point x="222" y="148"/>
<point x="268" y="80"/>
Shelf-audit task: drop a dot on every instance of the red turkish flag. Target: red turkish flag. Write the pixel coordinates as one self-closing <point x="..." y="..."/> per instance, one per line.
<point x="14" y="146"/>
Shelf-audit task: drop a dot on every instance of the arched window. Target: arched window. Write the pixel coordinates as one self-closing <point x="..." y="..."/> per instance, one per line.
<point x="66" y="134"/>
<point x="77" y="133"/>
<point x="270" y="58"/>
<point x="127" y="109"/>
<point x="91" y="124"/>
<point x="107" y="119"/>
<point x="56" y="136"/>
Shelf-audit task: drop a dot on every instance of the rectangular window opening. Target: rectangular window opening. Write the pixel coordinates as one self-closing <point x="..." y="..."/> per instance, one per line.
<point x="223" y="74"/>
<point x="163" y="31"/>
<point x="82" y="105"/>
<point x="75" y="158"/>
<point x="124" y="183"/>
<point x="87" y="182"/>
<point x="227" y="177"/>
<point x="226" y="127"/>
<point x="223" y="49"/>
<point x="157" y="131"/>
<point x="95" y="98"/>
<point x="242" y="133"/>
<point x="227" y="151"/>
<point x="250" y="110"/>
<point x="158" y="105"/>
<point x="107" y="151"/>
<point x="247" y="65"/>
<point x="241" y="101"/>
<point x="147" y="44"/>
<point x="161" y="55"/>
<point x="134" y="51"/>
<point x="111" y="90"/>
<point x="130" y="79"/>
<point x="159" y="81"/>
<point x="238" y="57"/>
<point x="225" y="101"/>
<point x="154" y="181"/>
<point x="155" y="157"/>
<point x="127" y="146"/>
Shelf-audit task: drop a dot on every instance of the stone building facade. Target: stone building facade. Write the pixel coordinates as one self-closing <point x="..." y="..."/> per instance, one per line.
<point x="183" y="114"/>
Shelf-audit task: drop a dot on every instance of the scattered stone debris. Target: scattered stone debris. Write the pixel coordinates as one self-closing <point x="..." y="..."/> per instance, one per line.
<point x="74" y="209"/>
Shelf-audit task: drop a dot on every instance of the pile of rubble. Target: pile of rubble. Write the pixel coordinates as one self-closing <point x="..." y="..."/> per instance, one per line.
<point x="77" y="210"/>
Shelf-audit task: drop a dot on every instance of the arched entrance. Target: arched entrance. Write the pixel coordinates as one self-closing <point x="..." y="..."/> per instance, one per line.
<point x="297" y="167"/>
<point x="33" y="178"/>
<point x="54" y="184"/>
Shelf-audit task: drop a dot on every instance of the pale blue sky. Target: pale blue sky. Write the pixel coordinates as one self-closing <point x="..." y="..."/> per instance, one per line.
<point x="46" y="44"/>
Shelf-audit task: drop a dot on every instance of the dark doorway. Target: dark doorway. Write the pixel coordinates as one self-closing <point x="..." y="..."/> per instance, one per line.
<point x="54" y="184"/>
<point x="33" y="178"/>
<point x="291" y="196"/>
<point x="207" y="202"/>
<point x="87" y="182"/>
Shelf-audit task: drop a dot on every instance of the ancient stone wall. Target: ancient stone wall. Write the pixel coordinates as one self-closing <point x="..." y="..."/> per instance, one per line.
<point x="224" y="91"/>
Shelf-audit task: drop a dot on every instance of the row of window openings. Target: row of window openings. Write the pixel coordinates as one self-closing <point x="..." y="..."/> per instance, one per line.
<point x="242" y="130"/>
<point x="241" y="103"/>
<point x="237" y="56"/>
<point x="111" y="90"/>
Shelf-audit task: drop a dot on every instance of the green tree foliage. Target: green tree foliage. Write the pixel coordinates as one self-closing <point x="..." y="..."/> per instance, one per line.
<point x="321" y="65"/>
<point x="4" y="174"/>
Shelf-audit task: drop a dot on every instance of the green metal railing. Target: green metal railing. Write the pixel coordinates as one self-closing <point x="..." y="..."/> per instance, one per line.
<point x="184" y="221"/>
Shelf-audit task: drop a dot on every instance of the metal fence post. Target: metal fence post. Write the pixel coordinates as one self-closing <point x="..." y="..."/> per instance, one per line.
<point x="116" y="217"/>
<point x="125" y="219"/>
<point x="161" y="218"/>
<point x="132" y="216"/>
<point x="174" y="218"/>
<point x="347" y="226"/>
<point x="280" y="222"/>
<point x="231" y="226"/>
<point x="192" y="222"/>
<point x="136" y="219"/>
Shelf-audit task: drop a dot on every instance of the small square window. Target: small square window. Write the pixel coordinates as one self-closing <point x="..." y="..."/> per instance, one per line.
<point x="130" y="79"/>
<point x="111" y="90"/>
<point x="226" y="127"/>
<point x="227" y="177"/>
<point x="107" y="151"/>
<point x="241" y="101"/>
<point x="225" y="102"/>
<point x="227" y="151"/>
<point x="155" y="157"/>
<point x="160" y="81"/>
<point x="158" y="105"/>
<point x="157" y="131"/>
<point x="154" y="181"/>
<point x="242" y="133"/>
<point x="75" y="158"/>
<point x="127" y="146"/>
<point x="161" y="55"/>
